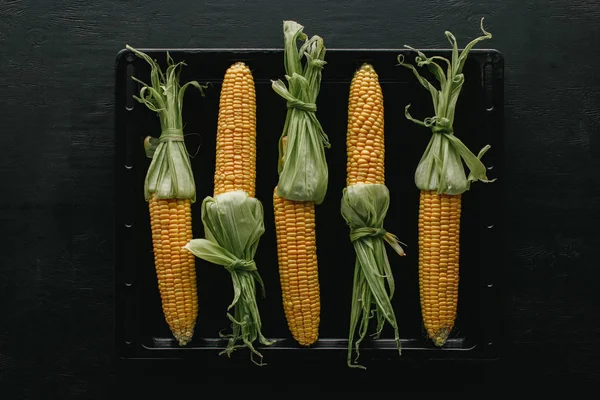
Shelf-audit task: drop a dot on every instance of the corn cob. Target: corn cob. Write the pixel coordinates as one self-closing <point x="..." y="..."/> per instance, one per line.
<point x="235" y="167"/>
<point x="441" y="179"/>
<point x="364" y="141"/>
<point x="233" y="218"/>
<point x="364" y="205"/>
<point x="171" y="225"/>
<point x="169" y="189"/>
<point x="298" y="270"/>
<point x="303" y="179"/>
<point x="439" y="232"/>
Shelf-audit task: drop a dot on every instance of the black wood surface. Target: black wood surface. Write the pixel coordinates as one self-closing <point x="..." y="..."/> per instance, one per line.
<point x="56" y="252"/>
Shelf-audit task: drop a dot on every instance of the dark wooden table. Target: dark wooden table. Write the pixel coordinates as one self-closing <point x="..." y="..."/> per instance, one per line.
<point x="56" y="212"/>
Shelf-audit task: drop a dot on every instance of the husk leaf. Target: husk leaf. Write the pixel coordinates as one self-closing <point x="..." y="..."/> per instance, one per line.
<point x="233" y="224"/>
<point x="364" y="207"/>
<point x="302" y="167"/>
<point x="170" y="173"/>
<point x="441" y="167"/>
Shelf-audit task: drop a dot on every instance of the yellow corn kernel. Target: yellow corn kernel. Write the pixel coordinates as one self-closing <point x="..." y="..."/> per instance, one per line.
<point x="364" y="139"/>
<point x="171" y="223"/>
<point x="298" y="270"/>
<point x="236" y="133"/>
<point x="439" y="233"/>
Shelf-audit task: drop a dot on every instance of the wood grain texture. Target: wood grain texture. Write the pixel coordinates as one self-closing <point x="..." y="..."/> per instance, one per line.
<point x="56" y="262"/>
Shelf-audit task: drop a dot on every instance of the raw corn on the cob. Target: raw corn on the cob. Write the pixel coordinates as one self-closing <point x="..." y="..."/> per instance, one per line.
<point x="298" y="270"/>
<point x="440" y="177"/>
<point x="303" y="179"/>
<point x="233" y="217"/>
<point x="365" y="135"/>
<point x="439" y="233"/>
<point x="235" y="167"/>
<point x="169" y="189"/>
<point x="364" y="205"/>
<point x="171" y="225"/>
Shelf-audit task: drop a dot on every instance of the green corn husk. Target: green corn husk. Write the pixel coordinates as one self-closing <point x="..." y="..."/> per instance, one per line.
<point x="169" y="175"/>
<point x="302" y="167"/>
<point x="440" y="168"/>
<point x="233" y="224"/>
<point x="364" y="207"/>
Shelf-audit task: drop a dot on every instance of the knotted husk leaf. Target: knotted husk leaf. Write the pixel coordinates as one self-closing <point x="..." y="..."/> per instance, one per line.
<point x="170" y="174"/>
<point x="303" y="173"/>
<point x="364" y="207"/>
<point x="233" y="224"/>
<point x="441" y="166"/>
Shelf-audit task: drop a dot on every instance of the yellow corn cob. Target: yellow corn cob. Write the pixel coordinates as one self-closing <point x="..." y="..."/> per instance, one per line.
<point x="171" y="223"/>
<point x="364" y="140"/>
<point x="169" y="189"/>
<point x="236" y="133"/>
<point x="298" y="271"/>
<point x="365" y="186"/>
<point x="233" y="218"/>
<point x="439" y="232"/>
<point x="441" y="179"/>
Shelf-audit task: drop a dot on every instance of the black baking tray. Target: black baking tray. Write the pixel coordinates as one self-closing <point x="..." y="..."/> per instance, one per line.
<point x="140" y="330"/>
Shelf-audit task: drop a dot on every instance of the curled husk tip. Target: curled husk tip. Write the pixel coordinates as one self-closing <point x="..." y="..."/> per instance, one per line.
<point x="441" y="167"/>
<point x="170" y="173"/>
